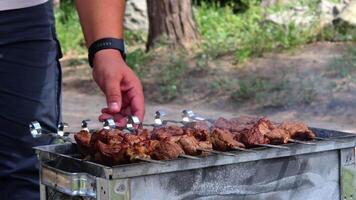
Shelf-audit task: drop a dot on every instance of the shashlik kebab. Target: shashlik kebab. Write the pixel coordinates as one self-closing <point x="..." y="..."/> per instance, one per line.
<point x="114" y="146"/>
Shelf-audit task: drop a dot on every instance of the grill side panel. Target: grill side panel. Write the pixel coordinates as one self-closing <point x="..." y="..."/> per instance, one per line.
<point x="309" y="176"/>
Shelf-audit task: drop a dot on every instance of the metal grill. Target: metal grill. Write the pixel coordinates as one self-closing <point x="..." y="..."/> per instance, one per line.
<point x="325" y="170"/>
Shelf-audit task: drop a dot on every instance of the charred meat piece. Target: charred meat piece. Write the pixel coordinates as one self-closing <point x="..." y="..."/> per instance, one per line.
<point x="242" y="123"/>
<point x="144" y="134"/>
<point x="199" y="125"/>
<point x="222" y="123"/>
<point x="199" y="134"/>
<point x="278" y="136"/>
<point x="264" y="132"/>
<point x="132" y="139"/>
<point x="83" y="142"/>
<point x="111" y="137"/>
<point x="256" y="135"/>
<point x="191" y="146"/>
<point x="167" y="150"/>
<point x="223" y="140"/>
<point x="111" y="154"/>
<point x="165" y="132"/>
<point x="298" y="131"/>
<point x="238" y="124"/>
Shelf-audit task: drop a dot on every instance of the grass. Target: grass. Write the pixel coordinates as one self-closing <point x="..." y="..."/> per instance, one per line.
<point x="237" y="28"/>
<point x="277" y="91"/>
<point x="344" y="66"/>
<point x="171" y="76"/>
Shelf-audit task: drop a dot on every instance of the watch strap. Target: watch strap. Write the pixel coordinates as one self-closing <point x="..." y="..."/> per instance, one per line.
<point x="106" y="43"/>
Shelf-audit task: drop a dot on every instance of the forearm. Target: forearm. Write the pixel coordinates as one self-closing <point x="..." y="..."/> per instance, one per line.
<point x="101" y="18"/>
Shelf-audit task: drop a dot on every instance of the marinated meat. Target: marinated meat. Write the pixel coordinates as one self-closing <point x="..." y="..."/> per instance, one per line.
<point x="222" y="123"/>
<point x="83" y="142"/>
<point x="297" y="130"/>
<point x="167" y="150"/>
<point x="111" y="154"/>
<point x="199" y="134"/>
<point x="223" y="140"/>
<point x="189" y="145"/>
<point x="256" y="135"/>
<point x="165" y="132"/>
<point x="192" y="146"/>
<point x="199" y="125"/>
<point x="278" y="136"/>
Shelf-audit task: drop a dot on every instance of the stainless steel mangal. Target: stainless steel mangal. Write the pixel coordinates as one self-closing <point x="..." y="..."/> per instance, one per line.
<point x="322" y="171"/>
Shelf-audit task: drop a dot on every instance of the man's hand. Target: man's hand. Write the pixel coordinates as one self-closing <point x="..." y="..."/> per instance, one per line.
<point x="122" y="88"/>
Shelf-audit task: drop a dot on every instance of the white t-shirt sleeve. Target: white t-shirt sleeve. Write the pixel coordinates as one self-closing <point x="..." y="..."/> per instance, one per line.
<point x="16" y="4"/>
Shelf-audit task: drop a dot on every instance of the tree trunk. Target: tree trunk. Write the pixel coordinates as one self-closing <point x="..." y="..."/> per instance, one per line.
<point x="56" y="3"/>
<point x="172" y="22"/>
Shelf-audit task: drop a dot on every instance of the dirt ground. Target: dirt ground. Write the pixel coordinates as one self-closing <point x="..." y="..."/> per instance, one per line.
<point x="333" y="108"/>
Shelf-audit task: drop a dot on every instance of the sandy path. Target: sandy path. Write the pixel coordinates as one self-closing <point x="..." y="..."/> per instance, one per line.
<point x="77" y="106"/>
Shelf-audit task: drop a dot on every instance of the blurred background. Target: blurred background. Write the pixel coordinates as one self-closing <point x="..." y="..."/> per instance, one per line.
<point x="284" y="59"/>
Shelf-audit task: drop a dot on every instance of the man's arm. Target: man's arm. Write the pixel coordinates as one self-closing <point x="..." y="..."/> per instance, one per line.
<point x="122" y="88"/>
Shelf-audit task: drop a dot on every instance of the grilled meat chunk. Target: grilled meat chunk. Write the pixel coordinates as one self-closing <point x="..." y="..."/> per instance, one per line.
<point x="83" y="142"/>
<point x="297" y="130"/>
<point x="256" y="135"/>
<point x="167" y="150"/>
<point x="278" y="136"/>
<point x="223" y="140"/>
<point x="111" y="154"/>
<point x="199" y="134"/>
<point x="165" y="132"/>
<point x="191" y="146"/>
<point x="264" y="132"/>
<point x="199" y="125"/>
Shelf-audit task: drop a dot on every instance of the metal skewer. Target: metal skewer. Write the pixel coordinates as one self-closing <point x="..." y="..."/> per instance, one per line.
<point x="217" y="152"/>
<point x="301" y="142"/>
<point x="189" y="157"/>
<point x="243" y="149"/>
<point x="150" y="160"/>
<point x="272" y="146"/>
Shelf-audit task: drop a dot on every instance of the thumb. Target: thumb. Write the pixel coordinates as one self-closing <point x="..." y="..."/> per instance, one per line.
<point x="113" y="96"/>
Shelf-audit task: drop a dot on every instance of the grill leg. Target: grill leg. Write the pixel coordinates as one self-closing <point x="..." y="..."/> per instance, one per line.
<point x="347" y="174"/>
<point x="43" y="194"/>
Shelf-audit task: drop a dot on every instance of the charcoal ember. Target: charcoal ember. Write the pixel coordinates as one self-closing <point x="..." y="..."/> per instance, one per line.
<point x="167" y="150"/>
<point x="297" y="130"/>
<point x="223" y="140"/>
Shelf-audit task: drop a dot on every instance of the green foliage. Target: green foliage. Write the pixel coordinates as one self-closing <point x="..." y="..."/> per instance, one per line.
<point x="246" y="34"/>
<point x="137" y="59"/>
<point x="275" y="91"/>
<point x="68" y="28"/>
<point x="171" y="76"/>
<point x="344" y="66"/>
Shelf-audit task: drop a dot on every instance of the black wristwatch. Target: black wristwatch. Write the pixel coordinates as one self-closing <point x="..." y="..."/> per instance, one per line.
<point x="106" y="43"/>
